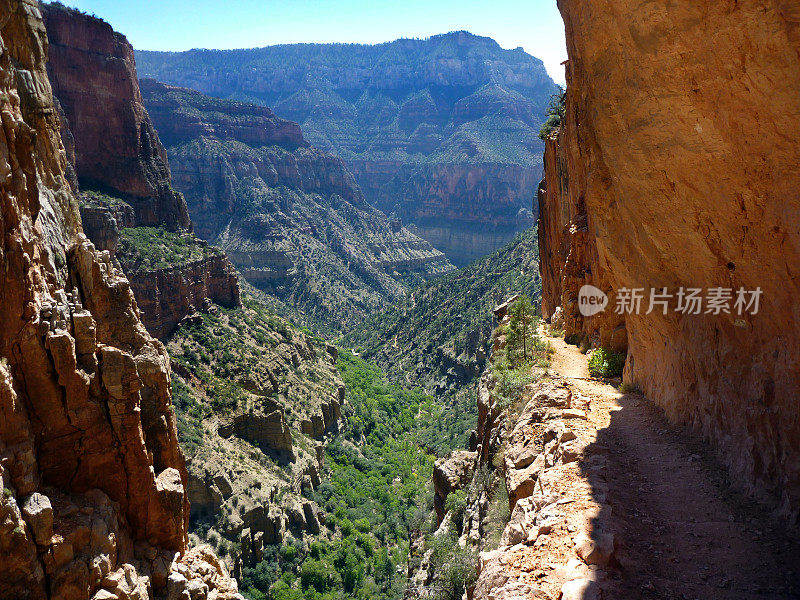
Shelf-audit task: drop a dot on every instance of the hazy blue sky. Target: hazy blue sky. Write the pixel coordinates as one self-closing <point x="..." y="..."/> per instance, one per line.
<point x="183" y="24"/>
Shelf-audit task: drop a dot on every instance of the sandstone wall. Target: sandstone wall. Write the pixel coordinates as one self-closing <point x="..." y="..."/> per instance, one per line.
<point x="165" y="296"/>
<point x="568" y="250"/>
<point x="114" y="147"/>
<point x="93" y="479"/>
<point x="93" y="73"/>
<point x="681" y="144"/>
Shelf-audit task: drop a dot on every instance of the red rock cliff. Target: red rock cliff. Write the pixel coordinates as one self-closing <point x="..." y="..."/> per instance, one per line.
<point x="93" y="480"/>
<point x="114" y="147"/>
<point x="677" y="167"/>
<point x="93" y="74"/>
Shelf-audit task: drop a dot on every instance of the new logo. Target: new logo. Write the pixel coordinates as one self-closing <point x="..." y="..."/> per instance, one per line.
<point x="591" y="300"/>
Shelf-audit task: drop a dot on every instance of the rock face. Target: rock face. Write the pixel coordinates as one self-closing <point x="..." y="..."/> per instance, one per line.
<point x="176" y="288"/>
<point x="677" y="167"/>
<point x="289" y="216"/>
<point x="266" y="428"/>
<point x="93" y="74"/>
<point x="253" y="427"/>
<point x="442" y="132"/>
<point x="451" y="474"/>
<point x="93" y="501"/>
<point x="114" y="148"/>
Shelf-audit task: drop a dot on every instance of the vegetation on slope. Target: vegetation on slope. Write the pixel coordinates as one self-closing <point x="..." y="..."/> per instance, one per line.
<point x="150" y="248"/>
<point x="233" y="357"/>
<point x="375" y="483"/>
<point x="439" y="337"/>
<point x="376" y="486"/>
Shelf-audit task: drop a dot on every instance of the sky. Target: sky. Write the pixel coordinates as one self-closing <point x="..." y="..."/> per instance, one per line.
<point x="535" y="25"/>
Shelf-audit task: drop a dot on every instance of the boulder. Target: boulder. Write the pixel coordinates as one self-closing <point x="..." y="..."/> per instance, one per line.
<point x="38" y="514"/>
<point x="450" y="474"/>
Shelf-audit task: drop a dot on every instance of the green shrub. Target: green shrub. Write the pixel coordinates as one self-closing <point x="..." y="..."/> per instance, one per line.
<point x="455" y="504"/>
<point x="629" y="388"/>
<point x="605" y="363"/>
<point x="510" y="381"/>
<point x="282" y="591"/>
<point x="555" y="115"/>
<point x="454" y="567"/>
<point x="315" y="574"/>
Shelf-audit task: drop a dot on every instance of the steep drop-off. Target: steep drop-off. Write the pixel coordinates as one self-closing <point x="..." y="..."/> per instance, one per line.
<point x="93" y="73"/>
<point x="113" y="147"/>
<point x="677" y="168"/>
<point x="441" y="132"/>
<point x="438" y="337"/>
<point x="255" y="397"/>
<point x="290" y="216"/>
<point x="93" y="502"/>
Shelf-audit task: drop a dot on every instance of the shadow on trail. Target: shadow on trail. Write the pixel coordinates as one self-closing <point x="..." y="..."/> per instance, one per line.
<point x="682" y="531"/>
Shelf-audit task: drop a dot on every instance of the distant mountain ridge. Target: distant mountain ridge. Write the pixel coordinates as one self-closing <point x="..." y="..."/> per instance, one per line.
<point x="440" y="132"/>
<point x="290" y="216"/>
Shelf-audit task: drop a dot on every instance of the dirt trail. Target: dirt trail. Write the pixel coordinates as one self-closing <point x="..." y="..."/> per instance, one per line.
<point x="682" y="532"/>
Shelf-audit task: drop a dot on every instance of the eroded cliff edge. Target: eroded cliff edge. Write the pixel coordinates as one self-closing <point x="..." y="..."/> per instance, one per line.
<point x="124" y="176"/>
<point x="93" y="501"/>
<point x="677" y="167"/>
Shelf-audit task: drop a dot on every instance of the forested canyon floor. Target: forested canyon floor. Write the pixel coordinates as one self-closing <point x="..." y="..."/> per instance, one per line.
<point x="643" y="511"/>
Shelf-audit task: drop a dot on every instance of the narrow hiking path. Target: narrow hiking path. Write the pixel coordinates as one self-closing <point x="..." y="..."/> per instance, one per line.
<point x="681" y="531"/>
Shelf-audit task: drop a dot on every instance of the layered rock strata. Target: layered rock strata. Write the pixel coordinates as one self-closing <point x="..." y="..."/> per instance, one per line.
<point x="169" y="293"/>
<point x="441" y="131"/>
<point x="289" y="216"/>
<point x="113" y="147"/>
<point x="93" y="502"/>
<point x="677" y="168"/>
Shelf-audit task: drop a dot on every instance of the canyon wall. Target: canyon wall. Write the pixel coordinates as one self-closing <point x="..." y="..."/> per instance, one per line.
<point x="93" y="502"/>
<point x="93" y="74"/>
<point x="290" y="216"/>
<point x="677" y="168"/>
<point x="122" y="169"/>
<point x="441" y="131"/>
<point x="465" y="210"/>
<point x="170" y="293"/>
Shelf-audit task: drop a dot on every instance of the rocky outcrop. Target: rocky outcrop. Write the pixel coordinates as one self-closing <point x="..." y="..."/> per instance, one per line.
<point x="93" y="74"/>
<point x="555" y="518"/>
<point x="442" y="131"/>
<point x="289" y="216"/>
<point x="103" y="221"/>
<point x="168" y="295"/>
<point x="451" y="474"/>
<point x="93" y="502"/>
<point x="678" y="159"/>
<point x="267" y="428"/>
